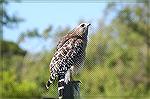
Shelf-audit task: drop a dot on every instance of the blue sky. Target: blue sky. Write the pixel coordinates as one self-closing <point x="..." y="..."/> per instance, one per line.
<point x="40" y="15"/>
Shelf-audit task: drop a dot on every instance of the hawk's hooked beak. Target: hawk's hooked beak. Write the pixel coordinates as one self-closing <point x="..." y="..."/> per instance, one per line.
<point x="89" y="24"/>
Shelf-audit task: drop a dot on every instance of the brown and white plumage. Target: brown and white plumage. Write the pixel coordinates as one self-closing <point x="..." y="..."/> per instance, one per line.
<point x="69" y="56"/>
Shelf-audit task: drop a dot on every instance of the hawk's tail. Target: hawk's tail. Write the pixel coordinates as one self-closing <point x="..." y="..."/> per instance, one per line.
<point x="61" y="78"/>
<point x="50" y="81"/>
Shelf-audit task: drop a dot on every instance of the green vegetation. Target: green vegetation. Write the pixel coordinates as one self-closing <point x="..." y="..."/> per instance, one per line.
<point x="117" y="61"/>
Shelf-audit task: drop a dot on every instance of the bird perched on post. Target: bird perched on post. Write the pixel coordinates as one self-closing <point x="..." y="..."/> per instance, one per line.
<point x="69" y="56"/>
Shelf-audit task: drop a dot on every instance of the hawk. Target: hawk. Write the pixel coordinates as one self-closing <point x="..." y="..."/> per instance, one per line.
<point x="69" y="57"/>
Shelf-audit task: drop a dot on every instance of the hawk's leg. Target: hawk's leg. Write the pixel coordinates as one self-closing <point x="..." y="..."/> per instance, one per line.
<point x="68" y="76"/>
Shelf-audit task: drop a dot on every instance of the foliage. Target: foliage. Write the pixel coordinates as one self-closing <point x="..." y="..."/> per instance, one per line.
<point x="7" y="20"/>
<point x="35" y="34"/>
<point x="10" y="48"/>
<point x="117" y="60"/>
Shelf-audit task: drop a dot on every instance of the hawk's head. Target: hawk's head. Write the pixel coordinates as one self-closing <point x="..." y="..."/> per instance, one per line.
<point x="82" y="29"/>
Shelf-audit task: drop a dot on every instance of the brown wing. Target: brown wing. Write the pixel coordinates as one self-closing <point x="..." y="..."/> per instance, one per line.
<point x="64" y="39"/>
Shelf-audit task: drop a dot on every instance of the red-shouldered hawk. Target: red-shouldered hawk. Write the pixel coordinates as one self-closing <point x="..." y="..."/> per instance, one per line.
<point x="69" y="56"/>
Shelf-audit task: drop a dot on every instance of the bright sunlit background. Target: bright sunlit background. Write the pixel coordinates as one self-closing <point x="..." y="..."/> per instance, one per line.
<point x="59" y="15"/>
<point x="117" y="55"/>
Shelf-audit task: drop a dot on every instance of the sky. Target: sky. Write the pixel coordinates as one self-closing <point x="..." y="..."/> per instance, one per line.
<point x="40" y="15"/>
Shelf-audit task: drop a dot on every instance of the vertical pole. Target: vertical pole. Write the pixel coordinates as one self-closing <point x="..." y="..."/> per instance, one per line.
<point x="72" y="90"/>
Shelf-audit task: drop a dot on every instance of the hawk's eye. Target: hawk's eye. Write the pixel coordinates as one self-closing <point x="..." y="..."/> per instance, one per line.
<point x="82" y="25"/>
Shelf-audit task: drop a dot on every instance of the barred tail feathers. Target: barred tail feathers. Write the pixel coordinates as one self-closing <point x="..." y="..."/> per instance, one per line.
<point x="50" y="81"/>
<point x="61" y="79"/>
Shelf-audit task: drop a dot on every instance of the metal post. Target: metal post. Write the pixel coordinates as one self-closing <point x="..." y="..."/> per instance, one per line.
<point x="72" y="90"/>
